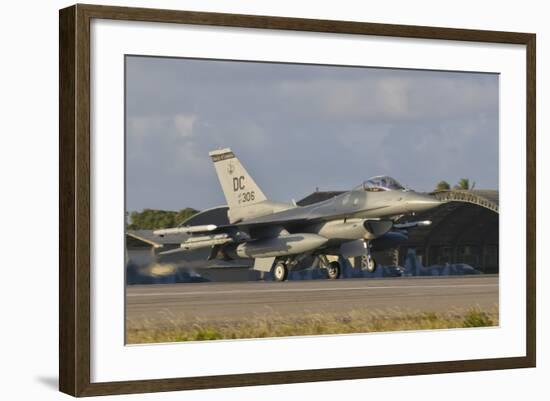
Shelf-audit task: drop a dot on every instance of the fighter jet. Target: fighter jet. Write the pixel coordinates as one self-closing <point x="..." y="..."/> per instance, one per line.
<point x="277" y="236"/>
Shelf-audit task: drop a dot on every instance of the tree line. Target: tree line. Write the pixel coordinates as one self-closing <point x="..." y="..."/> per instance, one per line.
<point x="152" y="219"/>
<point x="463" y="183"/>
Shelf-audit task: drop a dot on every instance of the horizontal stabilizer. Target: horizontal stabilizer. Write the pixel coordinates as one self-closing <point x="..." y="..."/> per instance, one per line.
<point x="172" y="251"/>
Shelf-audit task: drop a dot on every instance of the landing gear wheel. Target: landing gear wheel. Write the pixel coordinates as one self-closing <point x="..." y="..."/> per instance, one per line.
<point x="333" y="270"/>
<point x="280" y="272"/>
<point x="371" y="264"/>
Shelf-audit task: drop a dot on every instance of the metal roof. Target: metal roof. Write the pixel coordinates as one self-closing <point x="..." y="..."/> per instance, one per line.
<point x="486" y="198"/>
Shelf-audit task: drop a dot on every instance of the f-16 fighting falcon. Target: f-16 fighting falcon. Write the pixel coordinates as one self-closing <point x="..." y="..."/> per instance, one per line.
<point x="278" y="235"/>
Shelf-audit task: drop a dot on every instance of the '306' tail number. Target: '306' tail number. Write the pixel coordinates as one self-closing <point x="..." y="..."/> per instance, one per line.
<point x="245" y="197"/>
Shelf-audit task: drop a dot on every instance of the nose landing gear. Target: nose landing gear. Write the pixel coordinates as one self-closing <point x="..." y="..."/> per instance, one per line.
<point x="368" y="263"/>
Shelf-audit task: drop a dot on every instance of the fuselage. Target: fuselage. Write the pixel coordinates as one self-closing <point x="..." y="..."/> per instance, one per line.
<point x="352" y="204"/>
<point x="353" y="215"/>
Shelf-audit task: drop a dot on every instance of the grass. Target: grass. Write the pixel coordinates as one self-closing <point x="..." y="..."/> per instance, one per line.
<point x="478" y="318"/>
<point x="178" y="328"/>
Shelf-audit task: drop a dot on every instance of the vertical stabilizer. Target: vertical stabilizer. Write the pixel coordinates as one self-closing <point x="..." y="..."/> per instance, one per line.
<point x="238" y="186"/>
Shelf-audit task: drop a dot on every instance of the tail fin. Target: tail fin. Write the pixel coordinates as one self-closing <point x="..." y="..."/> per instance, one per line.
<point x="238" y="186"/>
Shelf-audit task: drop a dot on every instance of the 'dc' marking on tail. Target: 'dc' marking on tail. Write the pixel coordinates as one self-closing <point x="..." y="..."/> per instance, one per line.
<point x="238" y="186"/>
<point x="238" y="183"/>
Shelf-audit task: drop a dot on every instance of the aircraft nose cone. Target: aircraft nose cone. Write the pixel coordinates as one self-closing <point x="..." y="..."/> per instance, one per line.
<point x="421" y="202"/>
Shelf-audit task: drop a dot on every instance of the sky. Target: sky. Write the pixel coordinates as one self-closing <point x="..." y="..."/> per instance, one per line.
<point x="298" y="127"/>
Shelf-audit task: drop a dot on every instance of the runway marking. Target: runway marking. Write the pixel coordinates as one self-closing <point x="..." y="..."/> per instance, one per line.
<point x="156" y="294"/>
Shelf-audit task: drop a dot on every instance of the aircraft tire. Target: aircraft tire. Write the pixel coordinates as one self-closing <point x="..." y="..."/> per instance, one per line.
<point x="371" y="265"/>
<point x="334" y="270"/>
<point x="280" y="272"/>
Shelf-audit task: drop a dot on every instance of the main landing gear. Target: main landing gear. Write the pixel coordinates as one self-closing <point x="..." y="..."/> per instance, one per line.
<point x="280" y="271"/>
<point x="334" y="270"/>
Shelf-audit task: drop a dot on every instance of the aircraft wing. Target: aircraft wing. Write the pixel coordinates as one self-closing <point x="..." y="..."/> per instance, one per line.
<point x="260" y="223"/>
<point x="283" y="219"/>
<point x="212" y="229"/>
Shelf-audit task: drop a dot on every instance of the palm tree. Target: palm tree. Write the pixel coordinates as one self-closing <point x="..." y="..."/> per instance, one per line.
<point x="463" y="183"/>
<point x="442" y="186"/>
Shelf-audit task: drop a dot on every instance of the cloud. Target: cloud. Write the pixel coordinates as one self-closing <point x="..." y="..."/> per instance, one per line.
<point x="296" y="127"/>
<point x="394" y="95"/>
<point x="184" y="124"/>
<point x="388" y="98"/>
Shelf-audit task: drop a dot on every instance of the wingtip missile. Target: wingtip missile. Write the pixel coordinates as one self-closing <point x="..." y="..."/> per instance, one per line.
<point x="185" y="230"/>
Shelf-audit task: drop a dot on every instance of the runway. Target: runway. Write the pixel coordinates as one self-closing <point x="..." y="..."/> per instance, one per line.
<point x="235" y="301"/>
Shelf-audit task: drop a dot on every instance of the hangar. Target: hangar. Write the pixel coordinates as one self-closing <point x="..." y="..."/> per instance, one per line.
<point x="464" y="230"/>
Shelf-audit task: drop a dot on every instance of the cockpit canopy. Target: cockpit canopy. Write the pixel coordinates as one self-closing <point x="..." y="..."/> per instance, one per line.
<point x="381" y="183"/>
